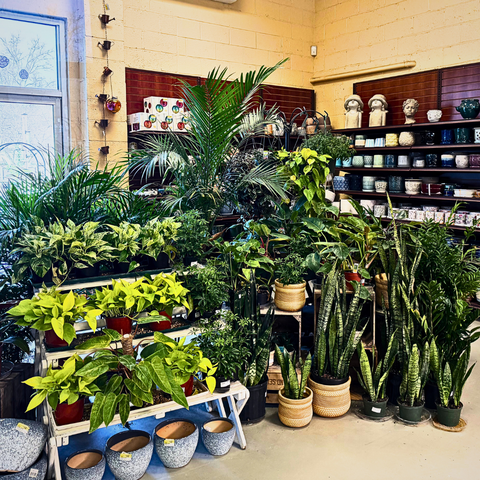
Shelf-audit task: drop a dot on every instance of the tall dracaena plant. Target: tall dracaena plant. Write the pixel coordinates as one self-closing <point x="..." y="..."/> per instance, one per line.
<point x="197" y="161"/>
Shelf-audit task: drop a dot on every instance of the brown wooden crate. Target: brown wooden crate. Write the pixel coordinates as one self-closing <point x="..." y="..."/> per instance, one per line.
<point x="272" y="397"/>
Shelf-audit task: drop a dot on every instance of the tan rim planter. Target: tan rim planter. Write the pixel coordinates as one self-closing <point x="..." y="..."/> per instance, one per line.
<point x="295" y="413"/>
<point x="381" y="289"/>
<point x="330" y="400"/>
<point x="290" y="298"/>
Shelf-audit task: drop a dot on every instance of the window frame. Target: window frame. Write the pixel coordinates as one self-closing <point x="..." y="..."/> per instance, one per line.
<point x="57" y="97"/>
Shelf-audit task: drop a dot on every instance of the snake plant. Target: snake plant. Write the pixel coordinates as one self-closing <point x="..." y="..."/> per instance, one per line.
<point x="337" y="336"/>
<point x="294" y="388"/>
<point x="415" y="375"/>
<point x="450" y="386"/>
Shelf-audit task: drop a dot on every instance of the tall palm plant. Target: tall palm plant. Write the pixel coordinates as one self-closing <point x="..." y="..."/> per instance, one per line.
<point x="219" y="127"/>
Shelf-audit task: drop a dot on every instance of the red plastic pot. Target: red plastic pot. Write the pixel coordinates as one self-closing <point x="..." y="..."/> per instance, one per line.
<point x="53" y="340"/>
<point x="162" y="325"/>
<point x="351" y="276"/>
<point x="122" y="325"/>
<point x="66" y="414"/>
<point x="188" y="387"/>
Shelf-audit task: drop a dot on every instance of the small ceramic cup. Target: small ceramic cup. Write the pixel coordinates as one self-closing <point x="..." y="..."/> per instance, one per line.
<point x="460" y="219"/>
<point x="370" y="142"/>
<point x="448" y="160"/>
<point x="412" y="214"/>
<point x="347" y="162"/>
<point x="357" y="161"/>
<point x="430" y="215"/>
<point x="368" y="184"/>
<point x="390" y="161"/>
<point x="413" y="186"/>
<point x="403" y="161"/>
<point x="434" y="115"/>
<point x="440" y="217"/>
<point x="469" y="219"/>
<point x="420" y="215"/>
<point x="380" y="142"/>
<point x="391" y="140"/>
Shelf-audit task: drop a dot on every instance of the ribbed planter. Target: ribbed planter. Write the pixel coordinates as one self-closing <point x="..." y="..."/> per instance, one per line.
<point x="330" y="400"/>
<point x="66" y="414"/>
<point x="85" y="465"/>
<point x="381" y="289"/>
<point x="37" y="471"/>
<point x="175" y="442"/>
<point x="122" y="325"/>
<point x="162" y="325"/>
<point x="374" y="409"/>
<point x="295" y="413"/>
<point x="218" y="435"/>
<point x="289" y="298"/>
<point x="254" y="409"/>
<point x="410" y="414"/>
<point x="128" y="454"/>
<point x="450" y="417"/>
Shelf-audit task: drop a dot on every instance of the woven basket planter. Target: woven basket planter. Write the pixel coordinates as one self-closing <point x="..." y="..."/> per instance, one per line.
<point x="381" y="289"/>
<point x="330" y="400"/>
<point x="295" y="413"/>
<point x="290" y="298"/>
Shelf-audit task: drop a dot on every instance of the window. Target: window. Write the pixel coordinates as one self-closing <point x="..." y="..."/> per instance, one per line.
<point x="33" y="92"/>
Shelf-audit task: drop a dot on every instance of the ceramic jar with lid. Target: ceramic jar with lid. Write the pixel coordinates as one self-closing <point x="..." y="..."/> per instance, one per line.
<point x="461" y="161"/>
<point x="380" y="185"/>
<point x="406" y="139"/>
<point x="357" y="161"/>
<point x="378" y="161"/>
<point x="469" y="108"/>
<point x="413" y="186"/>
<point x="391" y="140"/>
<point x="448" y="160"/>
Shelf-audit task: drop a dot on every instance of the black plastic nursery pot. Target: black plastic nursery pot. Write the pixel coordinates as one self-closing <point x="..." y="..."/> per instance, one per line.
<point x="410" y="414"/>
<point x="122" y="267"/>
<point x="450" y="417"/>
<point x="254" y="410"/>
<point x="47" y="278"/>
<point x="223" y="385"/>
<point x="263" y="297"/>
<point x="393" y="387"/>
<point x="91" y="271"/>
<point x="374" y="409"/>
<point x="187" y="260"/>
<point x="432" y="396"/>
<point x="160" y="263"/>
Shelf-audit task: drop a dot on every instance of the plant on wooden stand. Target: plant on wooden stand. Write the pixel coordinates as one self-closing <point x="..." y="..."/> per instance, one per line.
<point x="290" y="285"/>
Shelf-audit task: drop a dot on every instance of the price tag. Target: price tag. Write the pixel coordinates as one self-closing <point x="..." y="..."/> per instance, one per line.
<point x="225" y="384"/>
<point x="33" y="473"/>
<point x="169" y="442"/>
<point x="126" y="457"/>
<point x="21" y="427"/>
<point x="376" y="410"/>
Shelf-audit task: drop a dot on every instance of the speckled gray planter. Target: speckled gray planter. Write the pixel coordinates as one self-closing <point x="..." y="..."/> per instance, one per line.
<point x="36" y="472"/>
<point x="218" y="435"/>
<point x="175" y="441"/>
<point x="20" y="446"/>
<point x="129" y="453"/>
<point x="85" y="465"/>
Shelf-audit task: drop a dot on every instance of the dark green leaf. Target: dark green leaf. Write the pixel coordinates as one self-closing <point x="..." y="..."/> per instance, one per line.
<point x="109" y="407"/>
<point x="96" y="414"/>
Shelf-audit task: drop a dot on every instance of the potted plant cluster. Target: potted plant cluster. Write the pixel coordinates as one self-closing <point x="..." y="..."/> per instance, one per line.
<point x="289" y="284"/>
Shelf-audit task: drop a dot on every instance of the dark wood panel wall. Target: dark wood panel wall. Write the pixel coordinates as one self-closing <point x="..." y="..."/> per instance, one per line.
<point x="442" y="88"/>
<point x="141" y="84"/>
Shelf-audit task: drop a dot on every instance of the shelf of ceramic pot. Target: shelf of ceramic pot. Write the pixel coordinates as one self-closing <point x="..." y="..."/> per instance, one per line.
<point x="420" y="197"/>
<point x="410" y="169"/>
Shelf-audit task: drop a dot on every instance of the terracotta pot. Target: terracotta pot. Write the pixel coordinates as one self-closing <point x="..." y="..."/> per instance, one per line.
<point x="330" y="400"/>
<point x="188" y="387"/>
<point x="290" y="298"/>
<point x="295" y="413"/>
<point x="351" y="276"/>
<point x="52" y="340"/>
<point x="121" y="325"/>
<point x="162" y="325"/>
<point x="66" y="414"/>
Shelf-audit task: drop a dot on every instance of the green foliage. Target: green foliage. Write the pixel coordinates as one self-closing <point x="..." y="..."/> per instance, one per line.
<point x="193" y="234"/>
<point x="307" y="172"/>
<point x="335" y="146"/>
<point x="293" y="388"/>
<point x="290" y="270"/>
<point x="61" y="385"/>
<point x="50" y="309"/>
<point x="125" y="241"/>
<point x="450" y="386"/>
<point x="223" y="339"/>
<point x="415" y="374"/>
<point x="158" y="237"/>
<point x="337" y="336"/>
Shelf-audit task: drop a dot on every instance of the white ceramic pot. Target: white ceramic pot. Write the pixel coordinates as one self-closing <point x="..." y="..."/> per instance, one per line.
<point x="476" y="135"/>
<point x="379" y="211"/>
<point x="380" y="186"/>
<point x="406" y="139"/>
<point x="440" y="217"/>
<point x="461" y="161"/>
<point x="403" y="161"/>
<point x="413" y="186"/>
<point x="434" y="115"/>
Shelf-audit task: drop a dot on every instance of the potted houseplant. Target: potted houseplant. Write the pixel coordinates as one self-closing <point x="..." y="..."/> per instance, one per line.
<point x="16" y="336"/>
<point x="295" y="399"/>
<point x="125" y="241"/>
<point x="414" y="376"/>
<point x="289" y="284"/>
<point x="450" y="384"/>
<point x="156" y="241"/>
<point x="223" y="340"/>
<point x="54" y="313"/>
<point x="193" y="235"/>
<point x="64" y="390"/>
<point x="335" y="342"/>
<point x="374" y="380"/>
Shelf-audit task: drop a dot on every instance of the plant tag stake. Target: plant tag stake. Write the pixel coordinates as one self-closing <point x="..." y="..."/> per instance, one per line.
<point x="376" y="410"/>
<point x="21" y="427"/>
<point x="33" y="473"/>
<point x="169" y="442"/>
<point x="126" y="457"/>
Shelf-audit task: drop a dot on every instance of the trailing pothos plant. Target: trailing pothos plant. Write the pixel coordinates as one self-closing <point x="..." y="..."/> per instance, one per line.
<point x="62" y="385"/>
<point x="52" y="310"/>
<point x="158" y="237"/>
<point x="125" y="240"/>
<point x="337" y="335"/>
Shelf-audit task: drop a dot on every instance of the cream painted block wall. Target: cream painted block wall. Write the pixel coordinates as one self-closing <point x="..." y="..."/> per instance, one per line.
<point x="358" y="34"/>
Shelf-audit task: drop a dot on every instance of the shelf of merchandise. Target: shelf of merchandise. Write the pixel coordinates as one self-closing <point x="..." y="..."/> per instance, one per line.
<point x="423" y="171"/>
<point x="386" y="150"/>
<point x="419" y="197"/>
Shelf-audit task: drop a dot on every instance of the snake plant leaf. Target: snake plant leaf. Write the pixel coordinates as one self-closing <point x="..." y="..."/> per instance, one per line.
<point x="447" y="384"/>
<point x="306" y="367"/>
<point x="293" y="379"/>
<point x="321" y="354"/>
<point x="366" y="372"/>
<point x="413" y="375"/>
<point x="282" y="362"/>
<point x="96" y="414"/>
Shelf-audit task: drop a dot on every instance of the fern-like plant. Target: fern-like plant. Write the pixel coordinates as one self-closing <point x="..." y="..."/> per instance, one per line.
<point x="415" y="375"/>
<point x="293" y="388"/>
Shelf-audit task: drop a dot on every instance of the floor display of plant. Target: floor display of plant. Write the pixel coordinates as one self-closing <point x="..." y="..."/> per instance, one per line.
<point x="157" y="238"/>
<point x="289" y="284"/>
<point x="125" y="241"/>
<point x="337" y="147"/>
<point x="295" y="399"/>
<point x="193" y="236"/>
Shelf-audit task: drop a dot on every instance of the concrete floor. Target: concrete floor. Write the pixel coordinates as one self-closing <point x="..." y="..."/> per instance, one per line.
<point x="346" y="448"/>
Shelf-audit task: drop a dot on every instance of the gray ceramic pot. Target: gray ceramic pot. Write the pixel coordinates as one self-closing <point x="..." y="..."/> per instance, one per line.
<point x="85" y="465"/>
<point x="129" y="453"/>
<point x="218" y="435"/>
<point x="175" y="441"/>
<point x="36" y="472"/>
<point x="22" y="442"/>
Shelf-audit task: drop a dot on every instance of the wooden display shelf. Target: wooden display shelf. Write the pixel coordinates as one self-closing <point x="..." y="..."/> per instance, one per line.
<point x="411" y="197"/>
<point x="407" y="170"/>
<point x="452" y="146"/>
<point x="406" y="220"/>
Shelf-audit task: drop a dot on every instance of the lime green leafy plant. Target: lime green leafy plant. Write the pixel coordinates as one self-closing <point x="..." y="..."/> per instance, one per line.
<point x="125" y="240"/>
<point x="158" y="237"/>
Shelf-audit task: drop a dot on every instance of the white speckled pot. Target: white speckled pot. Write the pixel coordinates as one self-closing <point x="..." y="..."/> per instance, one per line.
<point x="85" y="465"/>
<point x="37" y="471"/>
<point x="129" y="453"/>
<point x="175" y="441"/>
<point x="218" y="435"/>
<point x="22" y="442"/>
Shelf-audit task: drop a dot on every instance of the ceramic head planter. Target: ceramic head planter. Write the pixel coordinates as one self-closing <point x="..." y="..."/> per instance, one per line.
<point x="353" y="111"/>
<point x="378" y="111"/>
<point x="410" y="108"/>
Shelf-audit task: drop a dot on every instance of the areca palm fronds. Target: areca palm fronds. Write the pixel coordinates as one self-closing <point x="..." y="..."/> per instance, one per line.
<point x="220" y="124"/>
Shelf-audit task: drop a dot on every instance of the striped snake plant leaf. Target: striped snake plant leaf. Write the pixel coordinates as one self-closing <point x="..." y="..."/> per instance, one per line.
<point x="446" y="384"/>
<point x="413" y="375"/>
<point x="339" y="319"/>
<point x="344" y="362"/>
<point x="306" y="367"/>
<point x="354" y="311"/>
<point x="366" y="372"/>
<point x="280" y="359"/>
<point x="293" y="379"/>
<point x="458" y="392"/>
<point x="378" y="371"/>
<point x="343" y="288"/>
<point x="321" y="354"/>
<point x="424" y="365"/>
<point x="332" y="334"/>
<point x="404" y="383"/>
